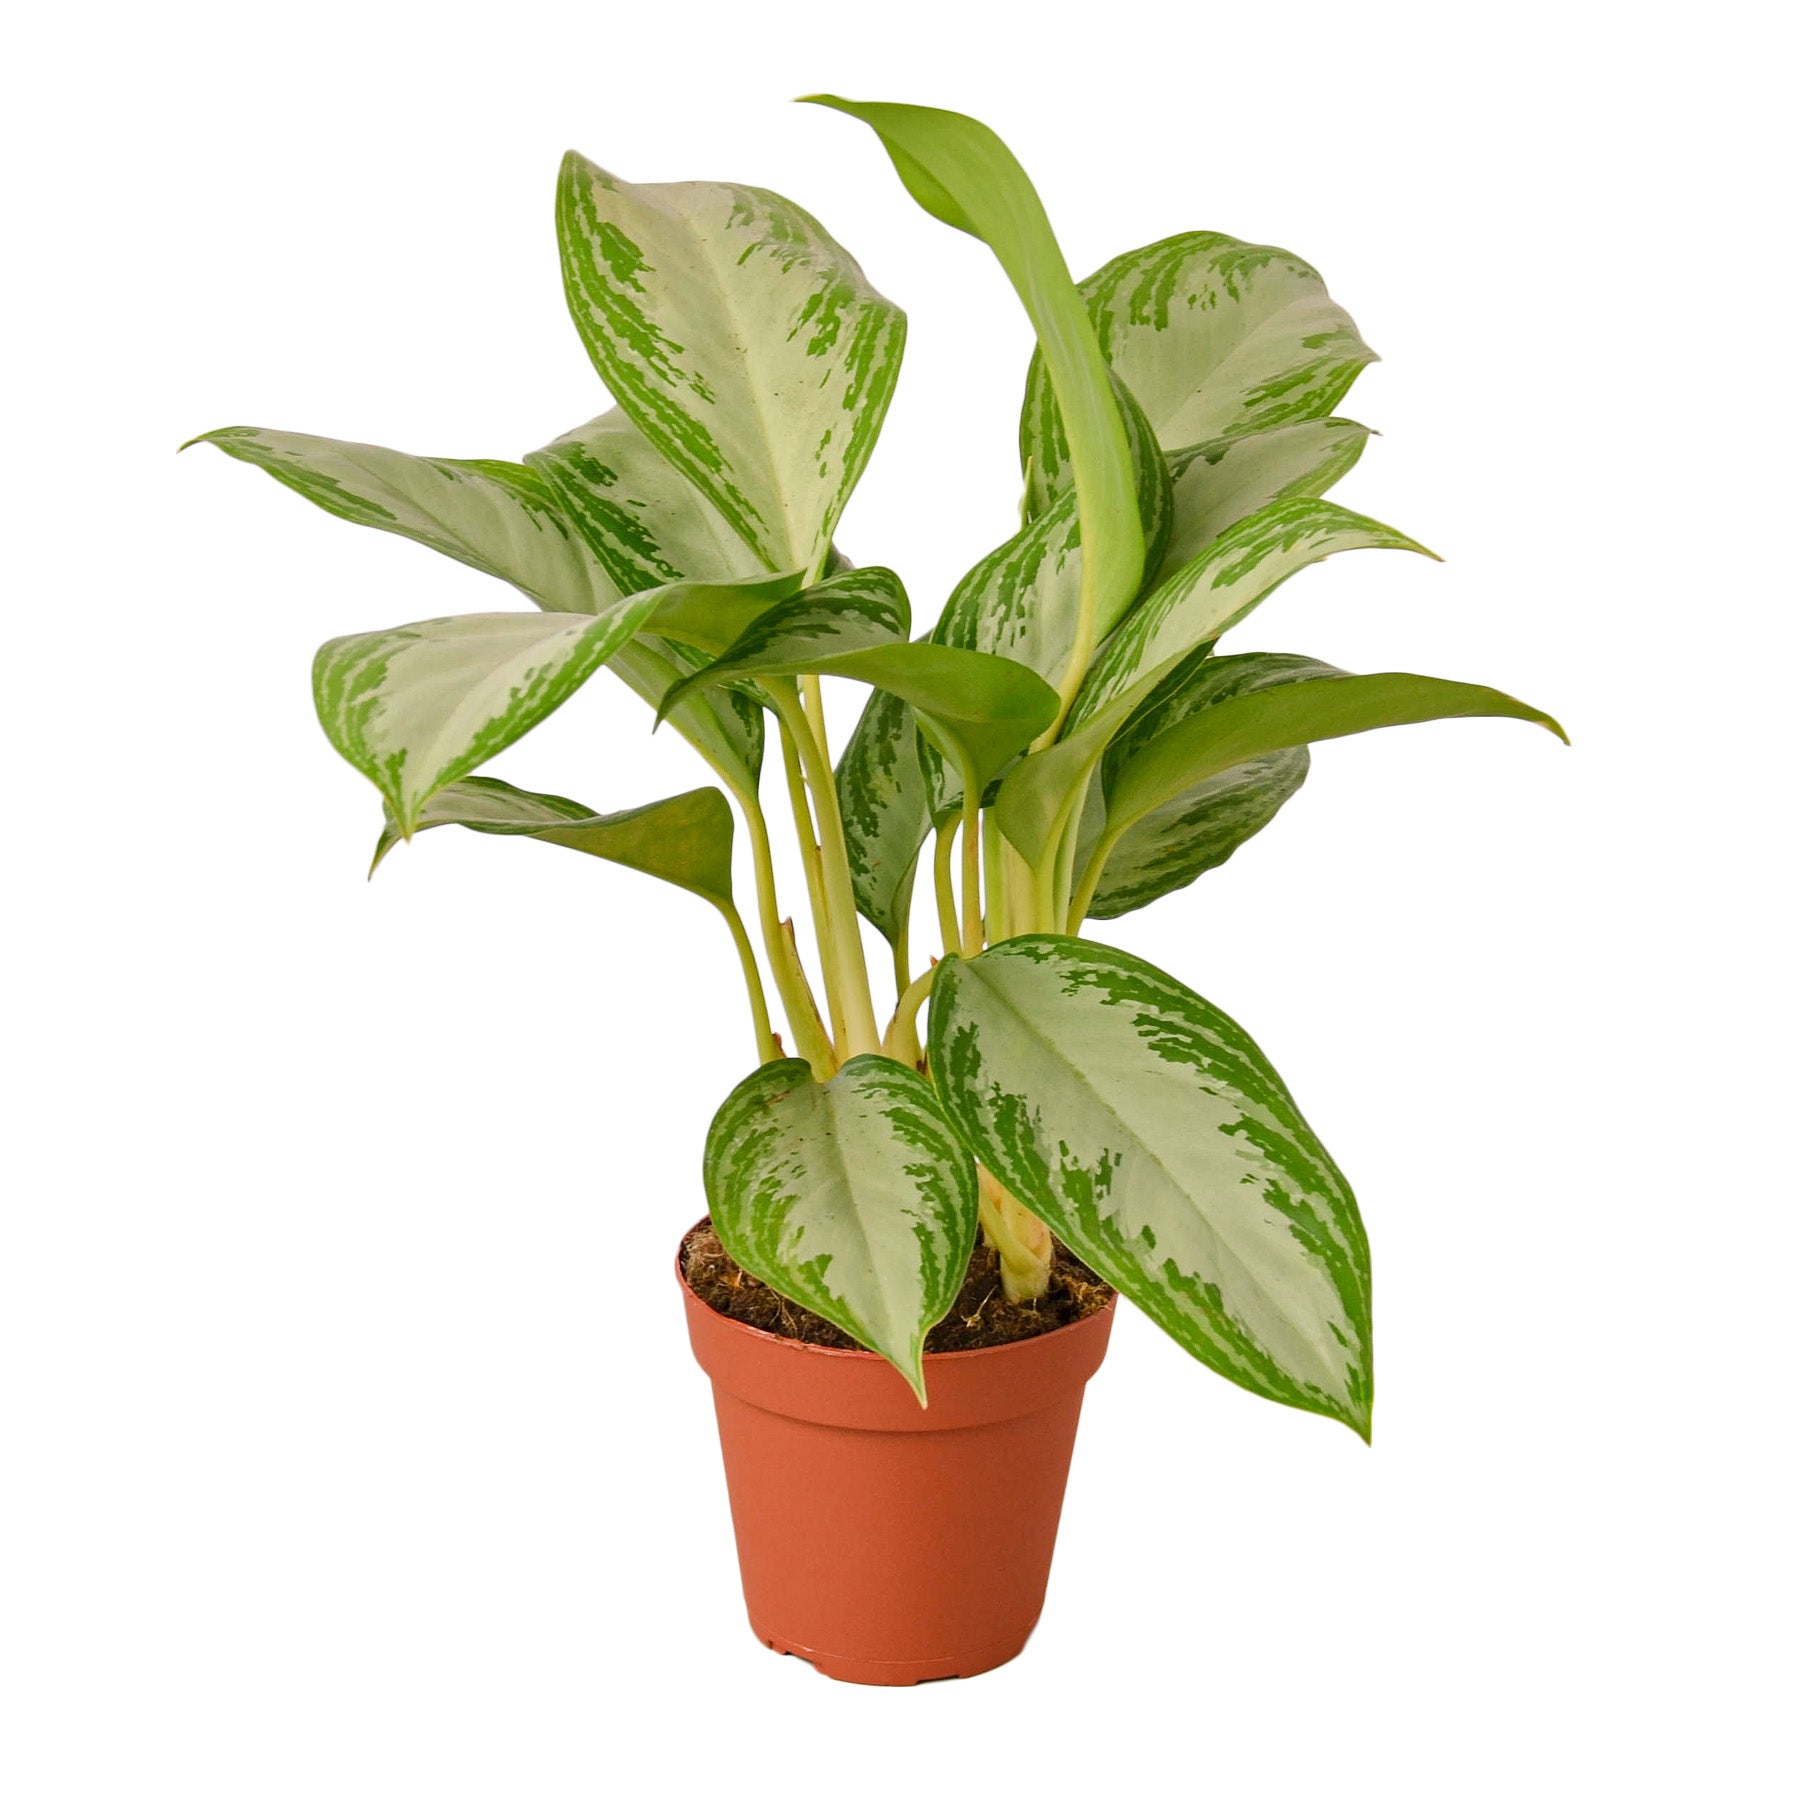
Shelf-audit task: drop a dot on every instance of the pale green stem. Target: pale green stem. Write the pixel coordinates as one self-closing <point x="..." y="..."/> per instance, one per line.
<point x="901" y="1041"/>
<point x="993" y="862"/>
<point x="847" y="976"/>
<point x="971" y="871"/>
<point x="941" y="859"/>
<point x="1090" y="880"/>
<point x="902" y="959"/>
<point x="759" y="1006"/>
<point x="809" y="854"/>
<point x="1019" y="1238"/>
<point x="1065" y="870"/>
<point x="790" y="976"/>
<point x="812" y="697"/>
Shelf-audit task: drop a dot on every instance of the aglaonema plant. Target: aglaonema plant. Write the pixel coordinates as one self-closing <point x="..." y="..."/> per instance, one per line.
<point x="1066" y="742"/>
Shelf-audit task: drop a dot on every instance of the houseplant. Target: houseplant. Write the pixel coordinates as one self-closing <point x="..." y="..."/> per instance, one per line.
<point x="1066" y="742"/>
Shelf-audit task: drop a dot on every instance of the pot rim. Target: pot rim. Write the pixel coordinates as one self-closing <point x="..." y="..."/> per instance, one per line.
<point x="932" y="1357"/>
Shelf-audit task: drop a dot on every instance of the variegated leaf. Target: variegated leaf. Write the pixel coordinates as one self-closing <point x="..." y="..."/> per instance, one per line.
<point x="1023" y="600"/>
<point x="1198" y="827"/>
<point x="882" y="798"/>
<point x="1217" y="588"/>
<point x="725" y="727"/>
<point x="1153" y="1137"/>
<point x="685" y="840"/>
<point x="961" y="173"/>
<point x="1214" y="336"/>
<point x="1218" y="483"/>
<point x="742" y="341"/>
<point x="498" y="517"/>
<point x="420" y="706"/>
<point x="848" y="612"/>
<point x="644" y="521"/>
<point x="852" y="1197"/>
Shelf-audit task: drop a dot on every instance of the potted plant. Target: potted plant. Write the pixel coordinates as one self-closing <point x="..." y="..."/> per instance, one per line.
<point x="1031" y="1120"/>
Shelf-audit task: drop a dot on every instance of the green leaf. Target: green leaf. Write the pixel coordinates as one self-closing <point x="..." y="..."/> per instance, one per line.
<point x="419" y="706"/>
<point x="1219" y="736"/>
<point x="846" y="613"/>
<point x="1217" y="588"/>
<point x="852" y="1197"/>
<point x="1214" y="337"/>
<point x="960" y="172"/>
<point x="644" y="521"/>
<point x="725" y="727"/>
<point x="882" y="797"/>
<point x="741" y="340"/>
<point x="1218" y="483"/>
<point x="1199" y="827"/>
<point x="497" y="517"/>
<point x="1148" y="1131"/>
<point x="685" y="840"/>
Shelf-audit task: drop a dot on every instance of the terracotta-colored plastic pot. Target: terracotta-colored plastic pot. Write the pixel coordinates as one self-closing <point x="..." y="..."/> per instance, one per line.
<point x="884" y="1543"/>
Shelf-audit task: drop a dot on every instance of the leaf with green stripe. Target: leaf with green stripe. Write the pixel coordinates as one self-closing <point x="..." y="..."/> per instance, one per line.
<point x="685" y="839"/>
<point x="1199" y="826"/>
<point x="725" y="727"/>
<point x="1023" y="600"/>
<point x="644" y="521"/>
<point x="1214" y="336"/>
<point x="852" y="1197"/>
<point x="882" y="799"/>
<point x="498" y="517"/>
<point x="811" y="631"/>
<point x="419" y="706"/>
<point x="961" y="173"/>
<point x="1219" y="587"/>
<point x="1219" y="483"/>
<point x="741" y="340"/>
<point x="1152" y="1136"/>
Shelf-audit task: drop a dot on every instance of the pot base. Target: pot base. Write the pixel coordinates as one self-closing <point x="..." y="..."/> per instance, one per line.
<point x="866" y="1673"/>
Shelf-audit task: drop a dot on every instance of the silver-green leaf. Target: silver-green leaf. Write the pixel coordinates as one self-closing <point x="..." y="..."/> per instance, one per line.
<point x="1214" y="336"/>
<point x="882" y="798"/>
<point x="741" y="339"/>
<point x="498" y="517"/>
<point x="1153" y="1137"/>
<point x="852" y="1197"/>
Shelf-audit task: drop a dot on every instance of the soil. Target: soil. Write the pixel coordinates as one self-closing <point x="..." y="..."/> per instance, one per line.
<point x="981" y="1317"/>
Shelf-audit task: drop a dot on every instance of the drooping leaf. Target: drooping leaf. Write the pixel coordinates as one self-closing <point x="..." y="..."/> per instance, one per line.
<point x="1217" y="588"/>
<point x="852" y="1197"/>
<point x="1218" y="483"/>
<point x="842" y="614"/>
<point x="741" y="340"/>
<point x="498" y="517"/>
<point x="685" y="839"/>
<point x="644" y="521"/>
<point x="961" y="173"/>
<point x="419" y="706"/>
<point x="1199" y="827"/>
<point x="1152" y="1135"/>
<point x="1214" y="336"/>
<point x="1213" y="738"/>
<point x="881" y="796"/>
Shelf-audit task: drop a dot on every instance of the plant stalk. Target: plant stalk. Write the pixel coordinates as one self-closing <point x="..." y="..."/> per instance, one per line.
<point x="1020" y="1239"/>
<point x="797" y="1002"/>
<point x="971" y="872"/>
<point x="766" y="1047"/>
<point x="942" y="856"/>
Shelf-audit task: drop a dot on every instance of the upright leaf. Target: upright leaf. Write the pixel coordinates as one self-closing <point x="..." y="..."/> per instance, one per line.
<point x="961" y="173"/>
<point x="852" y="1197"/>
<point x="644" y="521"/>
<point x="882" y="798"/>
<point x="1153" y="1137"/>
<point x="497" y="517"/>
<point x="740" y="339"/>
<point x="1213" y="336"/>
<point x="685" y="840"/>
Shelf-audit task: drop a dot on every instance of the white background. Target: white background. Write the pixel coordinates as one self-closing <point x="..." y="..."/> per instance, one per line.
<point x="351" y="1442"/>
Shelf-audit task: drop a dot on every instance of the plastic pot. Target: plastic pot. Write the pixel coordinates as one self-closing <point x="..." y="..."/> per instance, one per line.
<point x="883" y="1543"/>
